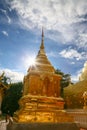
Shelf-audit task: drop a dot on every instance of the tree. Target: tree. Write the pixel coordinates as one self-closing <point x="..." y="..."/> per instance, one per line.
<point x="10" y="100"/>
<point x="64" y="81"/>
<point x="3" y="87"/>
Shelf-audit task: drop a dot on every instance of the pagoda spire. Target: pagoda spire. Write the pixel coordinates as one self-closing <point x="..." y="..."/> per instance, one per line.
<point x="41" y="60"/>
<point x="42" y="41"/>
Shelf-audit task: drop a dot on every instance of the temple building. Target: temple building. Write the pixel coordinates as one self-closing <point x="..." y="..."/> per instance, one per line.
<point x="73" y="94"/>
<point x="41" y="101"/>
<point x="41" y="78"/>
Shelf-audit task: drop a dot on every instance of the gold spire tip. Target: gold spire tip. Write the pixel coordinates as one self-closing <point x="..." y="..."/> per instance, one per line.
<point x="42" y="32"/>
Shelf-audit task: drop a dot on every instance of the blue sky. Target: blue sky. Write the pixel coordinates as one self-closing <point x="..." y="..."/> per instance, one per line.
<point x="65" y="29"/>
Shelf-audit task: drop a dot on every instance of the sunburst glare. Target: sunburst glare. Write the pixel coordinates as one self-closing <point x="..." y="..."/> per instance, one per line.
<point x="28" y="61"/>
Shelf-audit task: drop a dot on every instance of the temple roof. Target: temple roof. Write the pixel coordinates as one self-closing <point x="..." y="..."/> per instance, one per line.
<point x="41" y="62"/>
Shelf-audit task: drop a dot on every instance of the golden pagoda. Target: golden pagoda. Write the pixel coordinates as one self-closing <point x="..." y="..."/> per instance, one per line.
<point x="41" y="101"/>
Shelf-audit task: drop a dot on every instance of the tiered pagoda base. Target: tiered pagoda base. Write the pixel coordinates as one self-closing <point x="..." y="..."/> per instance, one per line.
<point x="42" y="109"/>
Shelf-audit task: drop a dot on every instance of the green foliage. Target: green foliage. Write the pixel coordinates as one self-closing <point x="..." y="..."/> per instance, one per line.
<point x="4" y="84"/>
<point x="64" y="81"/>
<point x="4" y="81"/>
<point x="10" y="100"/>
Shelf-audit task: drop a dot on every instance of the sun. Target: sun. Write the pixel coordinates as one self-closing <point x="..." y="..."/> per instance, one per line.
<point x="32" y="61"/>
<point x="28" y="61"/>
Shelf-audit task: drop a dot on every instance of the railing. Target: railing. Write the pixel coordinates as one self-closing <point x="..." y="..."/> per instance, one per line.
<point x="80" y="116"/>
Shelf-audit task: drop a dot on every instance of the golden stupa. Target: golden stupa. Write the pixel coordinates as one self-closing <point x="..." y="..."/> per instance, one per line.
<point x="41" y="101"/>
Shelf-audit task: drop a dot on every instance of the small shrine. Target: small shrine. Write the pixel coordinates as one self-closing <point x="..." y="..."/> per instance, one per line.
<point x="41" y="101"/>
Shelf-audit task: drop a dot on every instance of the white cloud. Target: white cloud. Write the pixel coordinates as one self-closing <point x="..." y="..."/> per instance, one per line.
<point x="72" y="53"/>
<point x="83" y="75"/>
<point x="5" y="33"/>
<point x="8" y="18"/>
<point x="75" y="77"/>
<point x="13" y="75"/>
<point x="2" y="10"/>
<point x="73" y="63"/>
<point x="61" y="16"/>
<point x="82" y="40"/>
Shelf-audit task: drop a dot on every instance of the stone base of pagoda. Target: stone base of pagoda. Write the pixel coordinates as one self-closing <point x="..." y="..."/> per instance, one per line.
<point x="44" y="116"/>
<point x="42" y="109"/>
